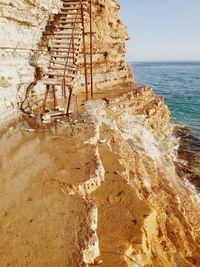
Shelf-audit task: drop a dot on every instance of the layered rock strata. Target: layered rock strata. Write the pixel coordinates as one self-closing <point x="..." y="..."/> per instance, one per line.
<point x="24" y="54"/>
<point x="21" y="26"/>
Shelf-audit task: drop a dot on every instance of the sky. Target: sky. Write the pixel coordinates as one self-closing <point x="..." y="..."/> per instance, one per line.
<point x="162" y="30"/>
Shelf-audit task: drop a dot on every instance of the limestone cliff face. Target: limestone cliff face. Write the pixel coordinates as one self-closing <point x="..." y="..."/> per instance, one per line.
<point x="148" y="216"/>
<point x="110" y="68"/>
<point x="100" y="189"/>
<point x="21" y="26"/>
<point x="24" y="56"/>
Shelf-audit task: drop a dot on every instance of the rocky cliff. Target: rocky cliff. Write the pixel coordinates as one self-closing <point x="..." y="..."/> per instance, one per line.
<point x="98" y="189"/>
<point x="24" y="56"/>
<point x="101" y="186"/>
<point x="21" y="27"/>
<point x="109" y="68"/>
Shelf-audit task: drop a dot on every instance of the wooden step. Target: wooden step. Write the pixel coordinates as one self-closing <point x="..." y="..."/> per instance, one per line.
<point x="66" y="41"/>
<point x="75" y="4"/>
<point x="76" y="7"/>
<point x="69" y="13"/>
<point x="62" y="68"/>
<point x="72" y="16"/>
<point x="72" y="9"/>
<point x="58" y="48"/>
<point x="60" y="71"/>
<point x="66" y="34"/>
<point x="53" y="74"/>
<point x="61" y="51"/>
<point x="72" y="21"/>
<point x="61" y="47"/>
<point x="62" y="40"/>
<point x="74" y="1"/>
<point x="68" y="27"/>
<point x="63" y="37"/>
<point x="57" y="62"/>
<point x="59" y="74"/>
<point x="52" y="81"/>
<point x="64" y="56"/>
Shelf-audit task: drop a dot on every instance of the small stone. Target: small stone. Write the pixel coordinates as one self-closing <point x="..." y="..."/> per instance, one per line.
<point x="8" y="103"/>
<point x="134" y="221"/>
<point x="98" y="262"/>
<point x="11" y="129"/>
<point x="27" y="111"/>
<point x="61" y="109"/>
<point x="5" y="213"/>
<point x="102" y="141"/>
<point x="46" y="117"/>
<point x="32" y="115"/>
<point x="30" y="130"/>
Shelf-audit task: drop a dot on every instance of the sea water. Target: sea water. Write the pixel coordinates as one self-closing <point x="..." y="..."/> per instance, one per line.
<point x="179" y="83"/>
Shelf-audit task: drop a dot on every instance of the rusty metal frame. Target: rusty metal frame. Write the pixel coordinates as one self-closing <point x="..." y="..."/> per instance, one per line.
<point x="84" y="50"/>
<point x="91" y="52"/>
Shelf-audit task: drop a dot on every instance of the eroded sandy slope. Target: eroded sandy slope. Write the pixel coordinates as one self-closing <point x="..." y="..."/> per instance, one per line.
<point x="99" y="189"/>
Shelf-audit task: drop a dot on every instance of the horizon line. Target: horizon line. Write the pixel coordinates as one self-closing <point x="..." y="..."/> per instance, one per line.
<point x="141" y="61"/>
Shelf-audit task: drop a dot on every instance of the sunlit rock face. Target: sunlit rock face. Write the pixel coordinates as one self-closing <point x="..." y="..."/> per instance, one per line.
<point x="148" y="216"/>
<point x="21" y="25"/>
<point x="24" y="55"/>
<point x="109" y="66"/>
<point x="101" y="188"/>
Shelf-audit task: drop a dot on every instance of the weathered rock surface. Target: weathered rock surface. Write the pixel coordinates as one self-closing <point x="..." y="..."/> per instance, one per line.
<point x="21" y="26"/>
<point x="101" y="187"/>
<point x="109" y="66"/>
<point x="24" y="56"/>
<point x="103" y="184"/>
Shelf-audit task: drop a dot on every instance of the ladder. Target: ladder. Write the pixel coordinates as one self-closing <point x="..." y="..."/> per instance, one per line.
<point x="64" y="47"/>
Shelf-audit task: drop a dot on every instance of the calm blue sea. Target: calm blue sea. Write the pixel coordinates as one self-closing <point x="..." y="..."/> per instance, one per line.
<point x="179" y="83"/>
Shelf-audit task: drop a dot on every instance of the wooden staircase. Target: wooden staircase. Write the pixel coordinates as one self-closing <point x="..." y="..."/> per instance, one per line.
<point x="64" y="44"/>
